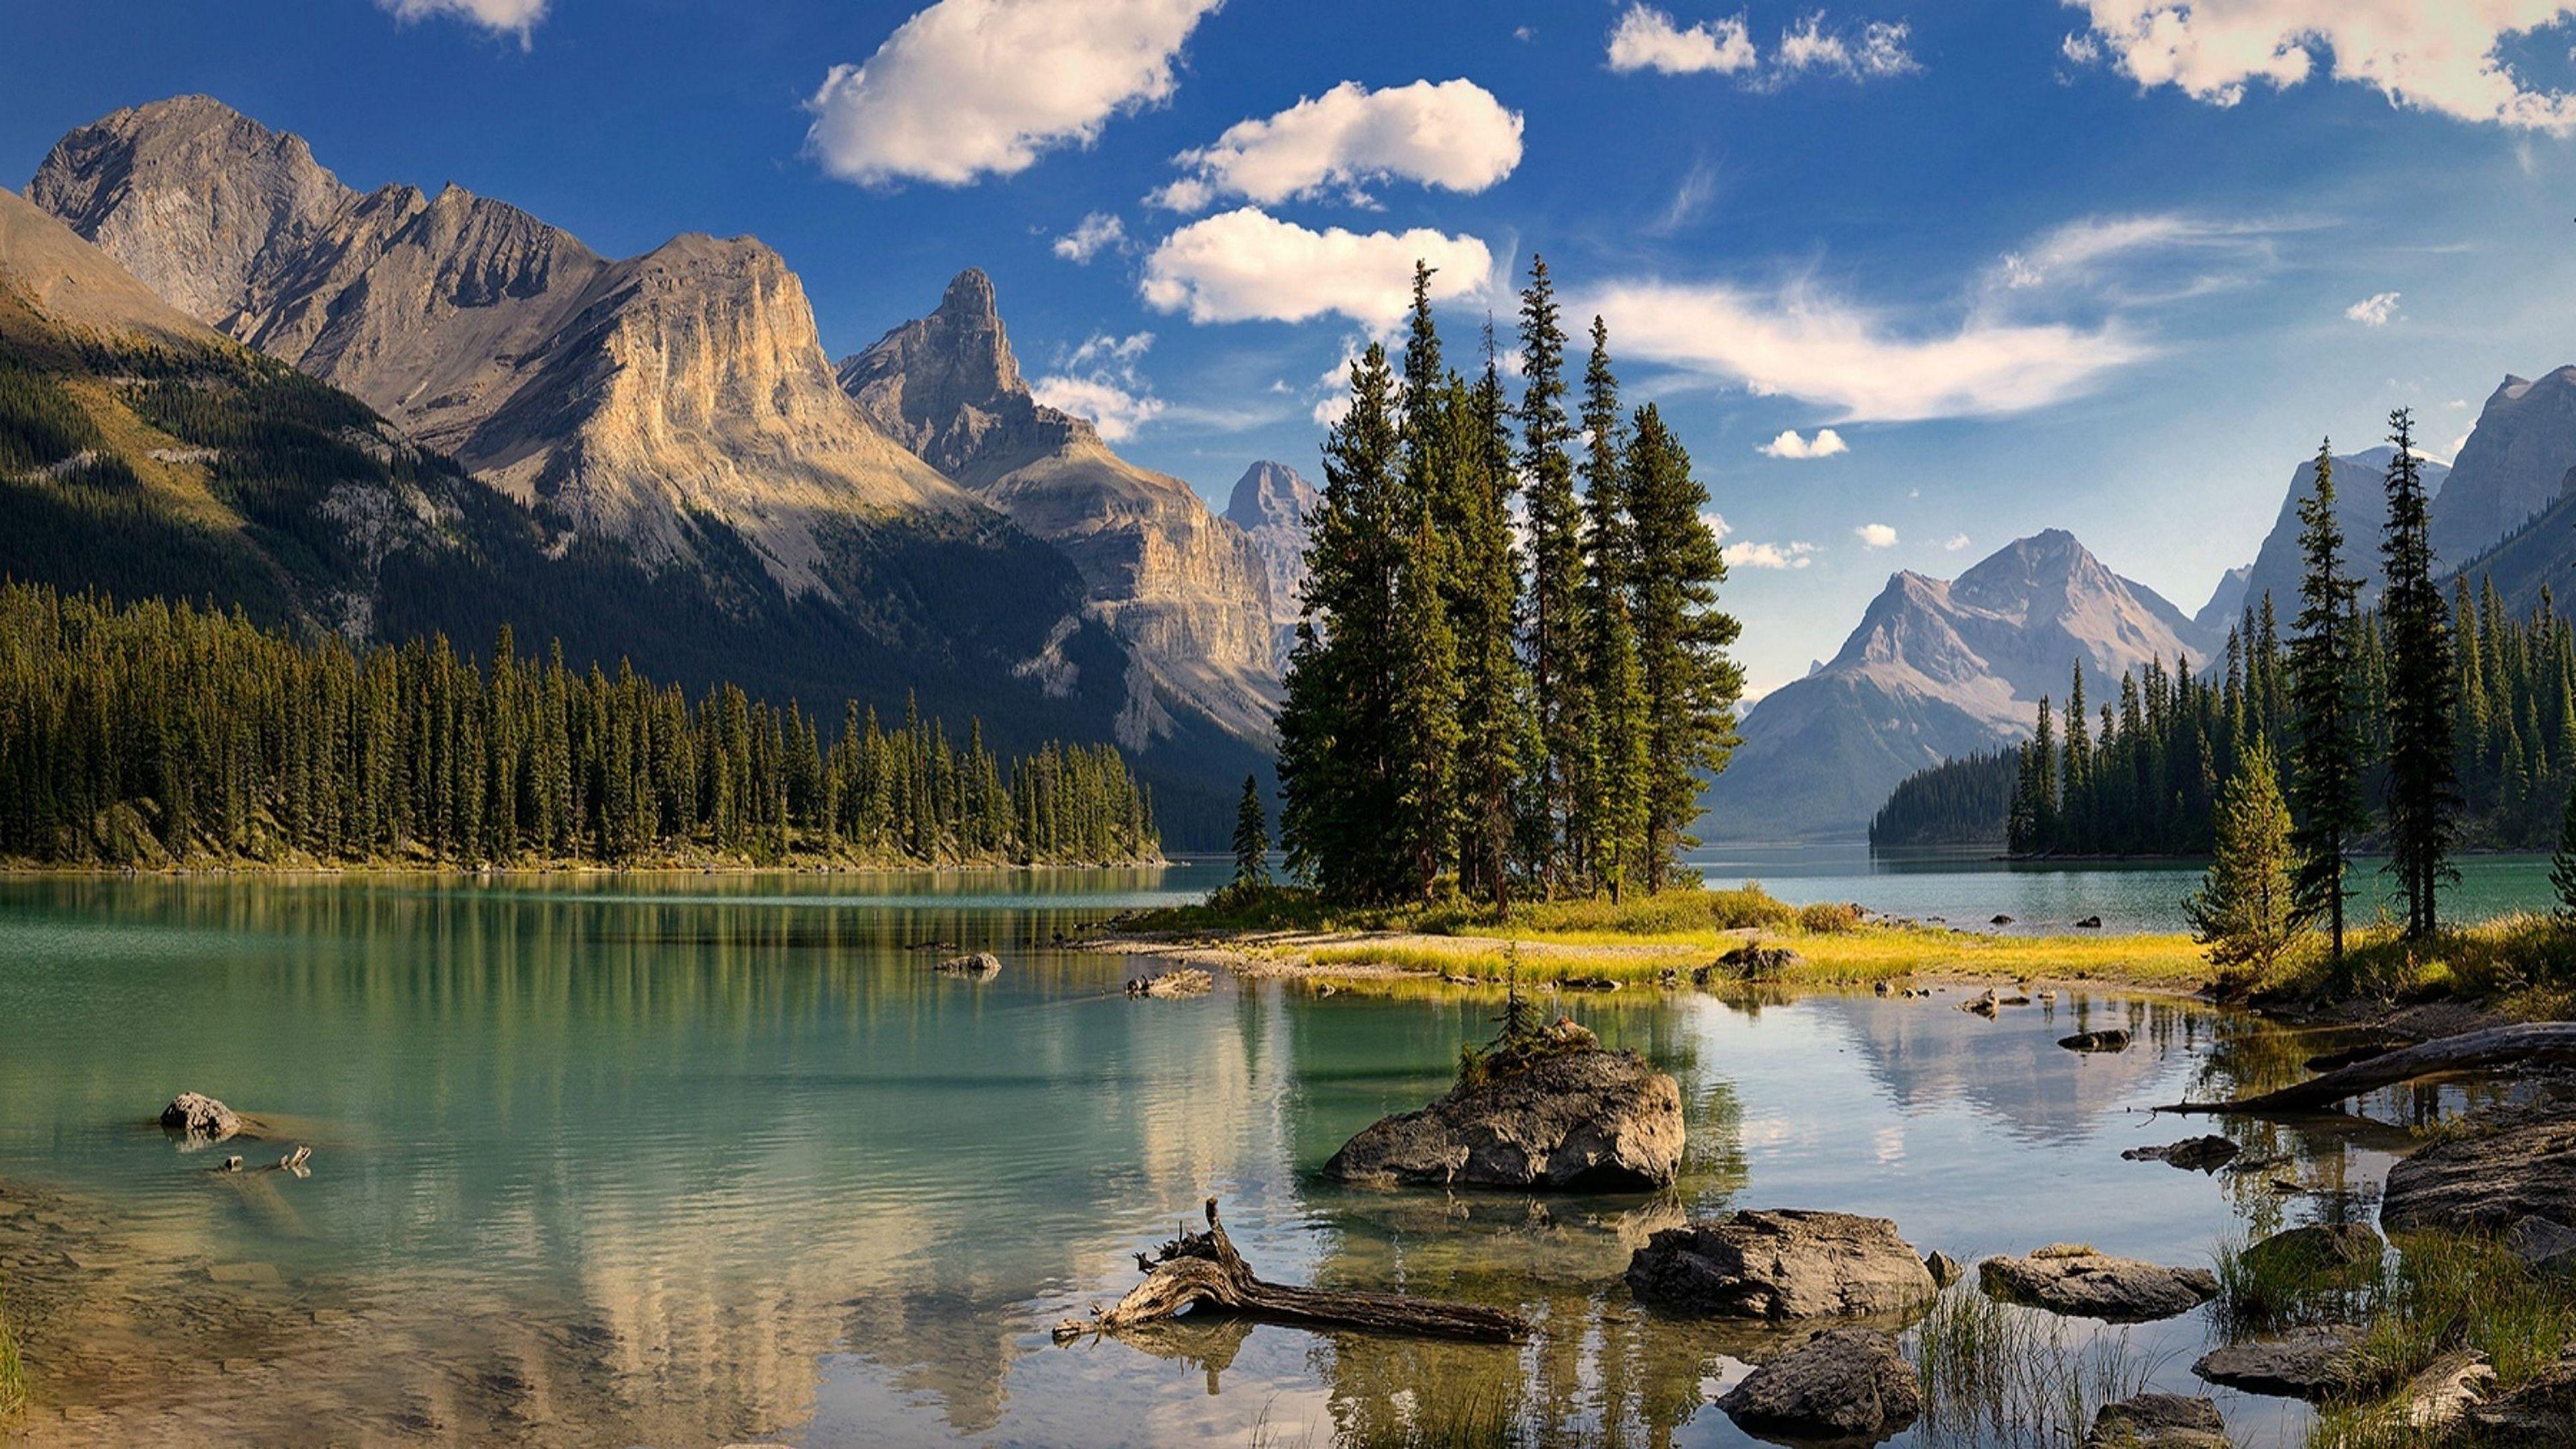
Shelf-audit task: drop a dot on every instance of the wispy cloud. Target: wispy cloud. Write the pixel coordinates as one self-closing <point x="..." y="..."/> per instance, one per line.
<point x="1098" y="232"/>
<point x="502" y="17"/>
<point x="1098" y="381"/>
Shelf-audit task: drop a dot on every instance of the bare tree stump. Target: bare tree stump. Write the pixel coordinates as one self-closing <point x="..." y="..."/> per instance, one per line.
<point x="2502" y="1046"/>
<point x="1203" y="1269"/>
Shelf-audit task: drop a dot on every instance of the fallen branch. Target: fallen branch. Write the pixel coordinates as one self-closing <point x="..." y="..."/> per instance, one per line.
<point x="1197" y="1269"/>
<point x="2502" y="1046"/>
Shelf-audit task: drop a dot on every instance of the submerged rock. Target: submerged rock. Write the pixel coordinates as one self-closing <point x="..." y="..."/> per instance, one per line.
<point x="2088" y="1284"/>
<point x="982" y="966"/>
<point x="1780" y="1264"/>
<point x="2158" y="1421"/>
<point x="198" y="1115"/>
<point x="2305" y="1363"/>
<point x="2316" y="1248"/>
<point x="2193" y="1154"/>
<point x="1577" y="1117"/>
<point x="1844" y="1383"/>
<point x="2487" y="1184"/>
<point x="2113" y="1040"/>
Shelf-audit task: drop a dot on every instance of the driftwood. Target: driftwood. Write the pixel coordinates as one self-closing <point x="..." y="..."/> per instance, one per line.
<point x="2502" y="1046"/>
<point x="1203" y="1269"/>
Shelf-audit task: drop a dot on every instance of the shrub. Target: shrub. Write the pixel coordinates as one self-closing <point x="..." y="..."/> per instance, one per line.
<point x="1829" y="918"/>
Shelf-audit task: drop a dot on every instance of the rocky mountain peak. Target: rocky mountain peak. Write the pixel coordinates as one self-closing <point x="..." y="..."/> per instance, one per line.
<point x="2510" y="468"/>
<point x="1270" y="495"/>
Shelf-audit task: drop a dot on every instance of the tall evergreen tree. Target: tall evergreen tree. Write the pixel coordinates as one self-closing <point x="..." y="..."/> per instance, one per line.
<point x="2423" y="792"/>
<point x="1556" y="579"/>
<point x="1690" y="683"/>
<point x="2326" y="763"/>
<point x="2562" y="862"/>
<point x="1498" y="734"/>
<point x="1423" y="733"/>
<point x="1615" y="768"/>
<point x="1251" y="838"/>
<point x="2244" y="911"/>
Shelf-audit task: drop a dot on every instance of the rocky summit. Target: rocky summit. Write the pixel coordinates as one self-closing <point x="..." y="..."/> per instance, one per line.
<point x="1274" y="507"/>
<point x="1184" y="587"/>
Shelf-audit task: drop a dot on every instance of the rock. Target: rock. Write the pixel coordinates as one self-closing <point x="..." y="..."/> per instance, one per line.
<point x="1271" y="504"/>
<point x="2486" y="1184"/>
<point x="2316" y="1249"/>
<point x="1780" y="1264"/>
<point x="2538" y="1414"/>
<point x="1181" y="981"/>
<point x="2306" y="1363"/>
<point x="1575" y="1117"/>
<point x="1844" y="1383"/>
<point x="2542" y="1245"/>
<point x="2437" y="1397"/>
<point x="1754" y="962"/>
<point x="2077" y="1280"/>
<point x="2113" y="1040"/>
<point x="1882" y="988"/>
<point x="2089" y="923"/>
<point x="2193" y="1154"/>
<point x="198" y="1115"/>
<point x="1586" y="983"/>
<point x="2000" y="921"/>
<point x="2158" y="1421"/>
<point x="1945" y="1270"/>
<point x="982" y="966"/>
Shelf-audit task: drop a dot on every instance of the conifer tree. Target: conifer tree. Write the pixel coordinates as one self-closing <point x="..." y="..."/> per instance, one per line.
<point x="1494" y="712"/>
<point x="2423" y="792"/>
<point x="1251" y="839"/>
<point x="1615" y="771"/>
<point x="2562" y="862"/>
<point x="1556" y="579"/>
<point x="1690" y="683"/>
<point x="2244" y="912"/>
<point x="2326" y="763"/>
<point x="1423" y="733"/>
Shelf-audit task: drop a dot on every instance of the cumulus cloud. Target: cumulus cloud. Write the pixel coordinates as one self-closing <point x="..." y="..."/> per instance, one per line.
<point x="969" y="88"/>
<point x="1246" y="264"/>
<point x="2376" y="310"/>
<point x="1877" y="52"/>
<point x="1875" y="535"/>
<point x="1098" y="381"/>
<point x="503" y="17"/>
<point x="1751" y="555"/>
<point x="1825" y="444"/>
<point x="2438" y="57"/>
<point x="1957" y="541"/>
<point x="1801" y="342"/>
<point x="1450" y="134"/>
<point x="1096" y="233"/>
<point x="1647" y="39"/>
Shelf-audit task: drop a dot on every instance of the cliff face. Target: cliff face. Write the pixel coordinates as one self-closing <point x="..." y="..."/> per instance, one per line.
<point x="2514" y="465"/>
<point x="1272" y="505"/>
<point x="1185" y="588"/>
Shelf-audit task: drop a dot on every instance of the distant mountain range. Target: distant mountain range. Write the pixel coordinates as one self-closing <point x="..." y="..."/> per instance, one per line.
<point x="2361" y="509"/>
<point x="653" y="457"/>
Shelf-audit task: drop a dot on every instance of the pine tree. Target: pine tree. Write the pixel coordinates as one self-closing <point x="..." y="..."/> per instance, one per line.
<point x="2326" y="762"/>
<point x="1615" y="770"/>
<point x="1494" y="710"/>
<point x="1251" y="839"/>
<point x="1556" y="580"/>
<point x="2423" y="790"/>
<point x="2244" y="911"/>
<point x="1690" y="684"/>
<point x="2562" y="862"/>
<point x="1423" y="719"/>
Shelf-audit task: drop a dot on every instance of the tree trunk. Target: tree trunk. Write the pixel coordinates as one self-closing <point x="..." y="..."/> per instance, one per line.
<point x="2502" y="1046"/>
<point x="1203" y="1268"/>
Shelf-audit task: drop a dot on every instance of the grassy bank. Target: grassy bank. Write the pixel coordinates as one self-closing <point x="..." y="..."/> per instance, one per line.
<point x="13" y="1373"/>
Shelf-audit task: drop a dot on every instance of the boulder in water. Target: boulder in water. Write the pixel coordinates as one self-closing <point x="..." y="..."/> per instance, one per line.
<point x="2111" y="1040"/>
<point x="1570" y="1117"/>
<point x="2306" y="1363"/>
<point x="1842" y="1384"/>
<point x="2487" y="1184"/>
<point x="982" y="966"/>
<point x="2088" y="1284"/>
<point x="197" y="1115"/>
<point x="2158" y="1421"/>
<point x="2192" y="1154"/>
<point x="1782" y="1263"/>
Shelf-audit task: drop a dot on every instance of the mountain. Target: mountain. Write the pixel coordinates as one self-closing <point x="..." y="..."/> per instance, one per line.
<point x="2361" y="507"/>
<point x="1184" y="588"/>
<point x="703" y="497"/>
<point x="2227" y="601"/>
<point x="1272" y="505"/>
<point x="1937" y="669"/>
<point x="2513" y="465"/>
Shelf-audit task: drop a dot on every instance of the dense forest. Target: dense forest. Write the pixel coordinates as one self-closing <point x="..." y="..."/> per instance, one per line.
<point x="1466" y="713"/>
<point x="1966" y="801"/>
<point x="152" y="733"/>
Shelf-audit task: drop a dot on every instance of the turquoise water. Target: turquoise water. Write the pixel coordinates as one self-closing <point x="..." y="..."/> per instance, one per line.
<point x="699" y="1160"/>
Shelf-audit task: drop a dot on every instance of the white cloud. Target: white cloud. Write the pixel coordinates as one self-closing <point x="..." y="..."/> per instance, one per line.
<point x="2084" y="250"/>
<point x="1875" y="54"/>
<point x="2376" y="310"/>
<point x="1803" y="343"/>
<point x="1096" y="233"/>
<point x="1098" y="381"/>
<point x="969" y="88"/>
<point x="1245" y="264"/>
<point x="1751" y="555"/>
<point x="2433" y="55"/>
<point x="1875" y="535"/>
<point x="1647" y="39"/>
<point x="1956" y="542"/>
<point x="1825" y="444"/>
<point x="1451" y="134"/>
<point x="504" y="17"/>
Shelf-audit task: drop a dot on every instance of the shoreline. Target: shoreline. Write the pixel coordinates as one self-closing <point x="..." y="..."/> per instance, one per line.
<point x="23" y="870"/>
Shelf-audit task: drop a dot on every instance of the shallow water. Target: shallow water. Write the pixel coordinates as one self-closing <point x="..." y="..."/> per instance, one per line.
<point x="691" y="1160"/>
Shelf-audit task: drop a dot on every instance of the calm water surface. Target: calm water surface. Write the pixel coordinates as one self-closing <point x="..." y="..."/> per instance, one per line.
<point x="694" y="1160"/>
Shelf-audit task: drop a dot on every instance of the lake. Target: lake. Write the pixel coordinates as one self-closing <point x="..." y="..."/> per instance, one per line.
<point x="691" y="1160"/>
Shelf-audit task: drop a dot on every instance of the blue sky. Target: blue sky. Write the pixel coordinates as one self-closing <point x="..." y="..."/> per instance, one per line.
<point x="2112" y="266"/>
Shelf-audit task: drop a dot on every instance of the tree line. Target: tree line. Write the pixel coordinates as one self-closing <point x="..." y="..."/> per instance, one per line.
<point x="1468" y="712"/>
<point x="151" y="733"/>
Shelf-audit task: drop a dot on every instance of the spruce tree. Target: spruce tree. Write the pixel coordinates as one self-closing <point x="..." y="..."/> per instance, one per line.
<point x="1690" y="683"/>
<point x="1497" y="732"/>
<point x="2423" y="790"/>
<point x="1556" y="580"/>
<point x="1422" y="721"/>
<point x="2562" y="862"/>
<point x="2244" y="911"/>
<point x="1615" y="770"/>
<point x="2326" y="763"/>
<point x="1251" y="839"/>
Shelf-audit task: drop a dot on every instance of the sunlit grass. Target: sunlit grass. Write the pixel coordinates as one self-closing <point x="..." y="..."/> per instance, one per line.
<point x="1998" y="1374"/>
<point x="13" y="1372"/>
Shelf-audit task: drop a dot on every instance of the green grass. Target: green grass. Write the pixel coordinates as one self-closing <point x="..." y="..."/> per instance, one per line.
<point x="2262" y="1292"/>
<point x="13" y="1372"/>
<point x="1998" y="1374"/>
<point x="2524" y="964"/>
